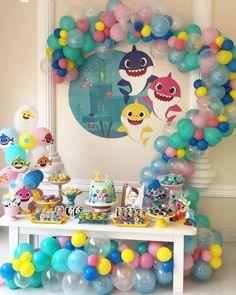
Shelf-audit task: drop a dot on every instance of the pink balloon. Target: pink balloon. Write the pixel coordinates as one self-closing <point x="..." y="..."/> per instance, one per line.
<point x="82" y="25"/>
<point x="122" y="247"/>
<point x="206" y="255"/>
<point x="117" y="34"/>
<point x="106" y="32"/>
<point x="213" y="123"/>
<point x="137" y="34"/>
<point x="108" y="18"/>
<point x="179" y="44"/>
<point x="199" y="135"/>
<point x="233" y="84"/>
<point x="7" y="176"/>
<point x="63" y="63"/>
<point x="188" y="262"/>
<point x="187" y="273"/>
<point x="209" y="35"/>
<point x="214" y="47"/>
<point x="62" y="240"/>
<point x="72" y="75"/>
<point x="2" y="281"/>
<point x="122" y="11"/>
<point x="136" y="260"/>
<point x="146" y="260"/>
<point x="93" y="260"/>
<point x="177" y="166"/>
<point x="153" y="247"/>
<point x="171" y="41"/>
<point x="190" y="169"/>
<point x="196" y="254"/>
<point x="144" y="13"/>
<point x="43" y="136"/>
<point x="199" y="121"/>
<point x="57" y="79"/>
<point x="98" y="36"/>
<point x="170" y="152"/>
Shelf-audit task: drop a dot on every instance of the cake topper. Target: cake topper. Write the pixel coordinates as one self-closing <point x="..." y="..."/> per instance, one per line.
<point x="97" y="176"/>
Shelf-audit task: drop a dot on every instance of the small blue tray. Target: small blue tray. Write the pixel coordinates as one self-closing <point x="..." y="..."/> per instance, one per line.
<point x="93" y="220"/>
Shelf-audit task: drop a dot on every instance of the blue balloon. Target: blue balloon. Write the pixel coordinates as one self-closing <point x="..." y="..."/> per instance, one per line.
<point x="40" y="174"/>
<point x="159" y="167"/>
<point x="111" y="5"/>
<point x="227" y="45"/>
<point x="57" y="32"/>
<point x="157" y="264"/>
<point x="202" y="145"/>
<point x="160" y="25"/>
<point x="61" y="72"/>
<point x="138" y="26"/>
<point x="21" y="248"/>
<point x="145" y="281"/>
<point x="223" y="126"/>
<point x="197" y="83"/>
<point x="232" y="66"/>
<point x="8" y="137"/>
<point x="161" y="143"/>
<point x="69" y="246"/>
<point x="14" y="152"/>
<point x="190" y="244"/>
<point x="176" y="56"/>
<point x="59" y="260"/>
<point x="75" y="38"/>
<point x="57" y="54"/>
<point x="115" y="257"/>
<point x="108" y="43"/>
<point x="32" y="180"/>
<point x="146" y="173"/>
<point x="218" y="238"/>
<point x="201" y="270"/>
<point x="103" y="285"/>
<point x="90" y="273"/>
<point x="227" y="99"/>
<point x="220" y="75"/>
<point x="77" y="261"/>
<point x="163" y="278"/>
<point x="168" y="265"/>
<point x="217" y="91"/>
<point x="55" y="65"/>
<point x="7" y="272"/>
<point x="154" y="185"/>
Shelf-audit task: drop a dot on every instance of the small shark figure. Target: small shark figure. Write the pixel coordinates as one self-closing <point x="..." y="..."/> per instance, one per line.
<point x="135" y="69"/>
<point x="135" y="118"/>
<point x="163" y="98"/>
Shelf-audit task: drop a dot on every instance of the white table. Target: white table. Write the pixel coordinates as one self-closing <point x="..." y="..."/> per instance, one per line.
<point x="174" y="233"/>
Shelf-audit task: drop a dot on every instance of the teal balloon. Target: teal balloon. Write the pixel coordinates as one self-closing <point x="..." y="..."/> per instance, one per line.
<point x="141" y="248"/>
<point x="202" y="270"/>
<point x="202" y="221"/>
<point x="212" y="135"/>
<point x="158" y="167"/>
<point x="191" y="61"/>
<point x="177" y="141"/>
<point x="77" y="261"/>
<point x="218" y="237"/>
<point x="230" y="131"/>
<point x="220" y="75"/>
<point x="186" y="128"/>
<point x="217" y="91"/>
<point x="13" y="152"/>
<point x="49" y="246"/>
<point x="191" y="194"/>
<point x="71" y="53"/>
<point x="191" y="113"/>
<point x="35" y="280"/>
<point x="176" y="56"/>
<point x="80" y="60"/>
<point x="190" y="244"/>
<point x="21" y="248"/>
<point x="103" y="285"/>
<point x="59" y="260"/>
<point x="75" y="38"/>
<point x="145" y="281"/>
<point x="163" y="278"/>
<point x="131" y="38"/>
<point x="193" y="207"/>
<point x="40" y="261"/>
<point x="146" y="173"/>
<point x="11" y="284"/>
<point x="67" y="23"/>
<point x="182" y="67"/>
<point x="89" y="43"/>
<point x="111" y="5"/>
<point x="205" y="237"/>
<point x="160" y="25"/>
<point x="52" y="42"/>
<point x="193" y="28"/>
<point x="114" y="245"/>
<point x="92" y="22"/>
<point x="161" y="143"/>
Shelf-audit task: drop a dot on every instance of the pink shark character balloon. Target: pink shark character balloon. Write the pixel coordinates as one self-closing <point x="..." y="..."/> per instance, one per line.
<point x="26" y="198"/>
<point x="163" y="98"/>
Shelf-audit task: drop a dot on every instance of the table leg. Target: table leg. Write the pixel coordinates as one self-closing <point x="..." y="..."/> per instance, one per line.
<point x="178" y="275"/>
<point x="33" y="240"/>
<point x="14" y="237"/>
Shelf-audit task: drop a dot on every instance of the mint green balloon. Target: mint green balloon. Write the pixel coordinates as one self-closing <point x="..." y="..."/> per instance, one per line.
<point x="89" y="43"/>
<point x="191" y="194"/>
<point x="52" y="42"/>
<point x="186" y="128"/>
<point x="71" y="53"/>
<point x="191" y="61"/>
<point x="202" y="221"/>
<point x="67" y="23"/>
<point x="212" y="135"/>
<point x="193" y="28"/>
<point x="176" y="141"/>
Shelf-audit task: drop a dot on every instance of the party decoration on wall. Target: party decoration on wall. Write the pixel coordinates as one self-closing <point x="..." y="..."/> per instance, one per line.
<point x="163" y="98"/>
<point x="135" y="118"/>
<point x="135" y="69"/>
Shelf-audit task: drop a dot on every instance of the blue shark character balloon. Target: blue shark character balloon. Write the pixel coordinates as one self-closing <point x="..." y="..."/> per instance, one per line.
<point x="135" y="69"/>
<point x="8" y="137"/>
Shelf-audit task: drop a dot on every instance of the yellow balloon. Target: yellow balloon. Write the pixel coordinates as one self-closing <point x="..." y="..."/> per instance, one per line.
<point x="164" y="254"/>
<point x="26" y="257"/>
<point x="216" y="250"/>
<point x="146" y="31"/>
<point x="104" y="266"/>
<point x="70" y="65"/>
<point x="224" y="57"/>
<point x="232" y="75"/>
<point x="27" y="269"/>
<point x="215" y="262"/>
<point x="233" y="93"/>
<point x="219" y="40"/>
<point x="182" y="35"/>
<point x="62" y="41"/>
<point x="180" y="153"/>
<point x="63" y="33"/>
<point x="99" y="26"/>
<point x="222" y="118"/>
<point x="127" y="255"/>
<point x="201" y="91"/>
<point x="78" y="239"/>
<point x="16" y="265"/>
<point x="27" y="141"/>
<point x="49" y="51"/>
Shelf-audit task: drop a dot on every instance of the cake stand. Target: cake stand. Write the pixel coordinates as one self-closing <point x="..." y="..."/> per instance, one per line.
<point x="71" y="198"/>
<point x="59" y="184"/>
<point x="101" y="208"/>
<point x="161" y="220"/>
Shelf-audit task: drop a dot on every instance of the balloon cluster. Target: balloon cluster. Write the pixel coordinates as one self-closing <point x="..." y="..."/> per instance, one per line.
<point x="25" y="153"/>
<point x="71" y="263"/>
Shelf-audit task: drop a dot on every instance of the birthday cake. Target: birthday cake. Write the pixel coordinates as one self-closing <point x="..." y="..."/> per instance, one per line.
<point x="101" y="191"/>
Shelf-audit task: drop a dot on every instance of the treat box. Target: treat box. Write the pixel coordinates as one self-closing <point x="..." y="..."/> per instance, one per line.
<point x="145" y="224"/>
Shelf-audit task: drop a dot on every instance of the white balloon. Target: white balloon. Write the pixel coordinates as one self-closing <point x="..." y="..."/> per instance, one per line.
<point x="37" y="156"/>
<point x="26" y="118"/>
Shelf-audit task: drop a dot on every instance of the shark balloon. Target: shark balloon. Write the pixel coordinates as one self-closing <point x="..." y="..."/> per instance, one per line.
<point x="135" y="69"/>
<point x="163" y="98"/>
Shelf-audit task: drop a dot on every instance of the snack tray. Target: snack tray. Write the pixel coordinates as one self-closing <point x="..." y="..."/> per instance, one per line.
<point x="145" y="224"/>
<point x="94" y="220"/>
<point x="63" y="219"/>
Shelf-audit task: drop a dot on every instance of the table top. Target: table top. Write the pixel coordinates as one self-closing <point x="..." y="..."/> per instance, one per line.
<point x="72" y="224"/>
